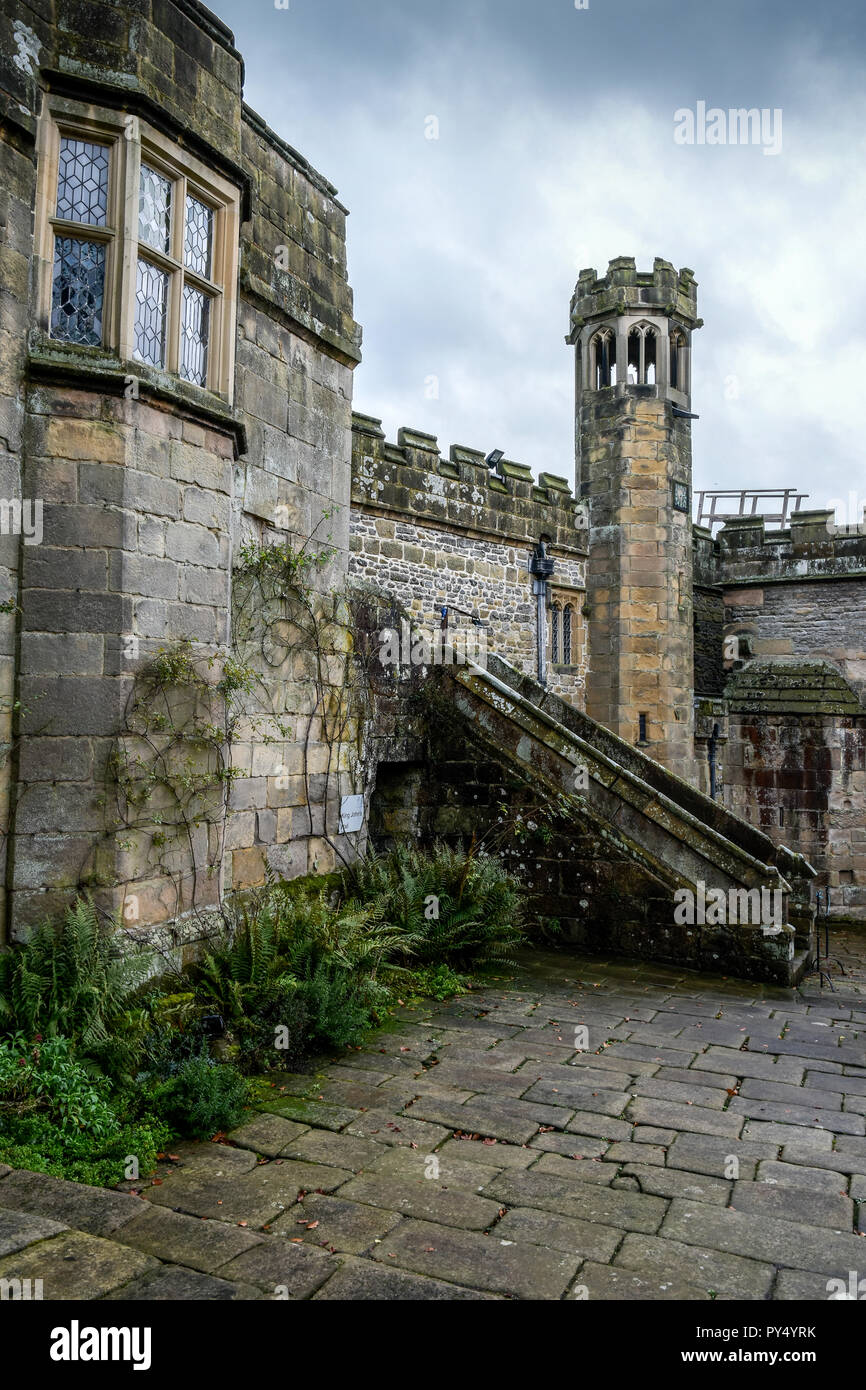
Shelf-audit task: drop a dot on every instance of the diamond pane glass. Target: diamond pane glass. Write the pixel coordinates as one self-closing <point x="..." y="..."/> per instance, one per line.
<point x="82" y="182"/>
<point x="194" y="339"/>
<point x="198" y="236"/>
<point x="151" y="301"/>
<point x="78" y="288"/>
<point x="154" y="209"/>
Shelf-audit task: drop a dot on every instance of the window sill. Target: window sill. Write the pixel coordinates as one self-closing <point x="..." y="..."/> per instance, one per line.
<point x="97" y="369"/>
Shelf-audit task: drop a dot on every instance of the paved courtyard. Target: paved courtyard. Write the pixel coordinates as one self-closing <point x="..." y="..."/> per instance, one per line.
<point x="582" y="1129"/>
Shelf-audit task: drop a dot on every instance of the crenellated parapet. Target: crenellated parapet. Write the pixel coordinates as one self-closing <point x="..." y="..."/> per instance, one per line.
<point x="811" y="548"/>
<point x="626" y="290"/>
<point x="410" y="480"/>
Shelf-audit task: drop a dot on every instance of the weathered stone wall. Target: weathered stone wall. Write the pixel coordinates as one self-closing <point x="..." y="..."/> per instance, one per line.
<point x="795" y="765"/>
<point x="802" y="780"/>
<point x="639" y="588"/>
<point x="709" y="615"/>
<point x="798" y="593"/>
<point x="794" y="762"/>
<point x="633" y="447"/>
<point x="19" y="42"/>
<point x="440" y="533"/>
<point x="709" y="630"/>
<point x="152" y="502"/>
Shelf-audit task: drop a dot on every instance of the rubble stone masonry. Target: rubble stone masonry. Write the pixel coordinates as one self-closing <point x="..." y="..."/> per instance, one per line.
<point x="437" y="532"/>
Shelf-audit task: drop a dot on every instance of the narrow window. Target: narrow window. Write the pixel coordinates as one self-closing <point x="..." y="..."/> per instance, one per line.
<point x="196" y="317"/>
<point x="151" y="311"/>
<point x="642" y="738"/>
<point x="78" y="276"/>
<point x="649" y="357"/>
<point x="554" y="633"/>
<point x="154" y="210"/>
<point x="604" y="359"/>
<point x="634" y="346"/>
<point x="566" y="634"/>
<point x="182" y="266"/>
<point x="677" y="373"/>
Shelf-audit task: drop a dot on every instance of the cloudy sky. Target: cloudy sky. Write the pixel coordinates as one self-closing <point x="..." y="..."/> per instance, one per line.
<point x="556" y="151"/>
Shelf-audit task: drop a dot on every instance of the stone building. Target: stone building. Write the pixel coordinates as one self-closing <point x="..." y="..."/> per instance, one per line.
<point x="792" y="604"/>
<point x="178" y="346"/>
<point x="201" y="549"/>
<point x="738" y="662"/>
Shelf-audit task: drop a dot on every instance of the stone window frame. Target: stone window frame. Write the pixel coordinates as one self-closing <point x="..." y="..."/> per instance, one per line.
<point x="678" y="368"/>
<point x="643" y="332"/>
<point x="603" y="358"/>
<point x="567" y="633"/>
<point x="667" y="328"/>
<point x="563" y="601"/>
<point x="132" y="140"/>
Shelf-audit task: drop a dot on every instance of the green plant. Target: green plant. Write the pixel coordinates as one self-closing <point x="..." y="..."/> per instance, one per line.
<point x="439" y="982"/>
<point x="55" y="1117"/>
<point x="34" y="1143"/>
<point x="74" y="981"/>
<point x="202" y="1098"/>
<point x="295" y="965"/>
<point x="282" y="561"/>
<point x="446" y="906"/>
<point x="43" y="1078"/>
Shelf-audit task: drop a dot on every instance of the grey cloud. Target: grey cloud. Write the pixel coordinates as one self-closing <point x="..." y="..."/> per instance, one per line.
<point x="556" y="151"/>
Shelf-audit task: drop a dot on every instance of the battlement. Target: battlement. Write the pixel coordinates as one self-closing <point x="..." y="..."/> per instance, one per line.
<point x="705" y="557"/>
<point x="626" y="290"/>
<point x="810" y="548"/>
<point x="412" y="479"/>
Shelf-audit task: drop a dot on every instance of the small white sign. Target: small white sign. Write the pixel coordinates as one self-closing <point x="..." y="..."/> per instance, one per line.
<point x="351" y="814"/>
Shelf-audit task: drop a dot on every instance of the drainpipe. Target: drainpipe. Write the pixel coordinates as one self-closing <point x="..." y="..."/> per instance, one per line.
<point x="541" y="567"/>
<point x="711" y="755"/>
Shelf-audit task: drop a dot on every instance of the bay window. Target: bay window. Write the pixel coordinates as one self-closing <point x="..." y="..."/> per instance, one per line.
<point x="138" y="246"/>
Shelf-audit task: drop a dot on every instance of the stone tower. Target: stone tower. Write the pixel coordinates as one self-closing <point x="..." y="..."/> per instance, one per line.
<point x="631" y="331"/>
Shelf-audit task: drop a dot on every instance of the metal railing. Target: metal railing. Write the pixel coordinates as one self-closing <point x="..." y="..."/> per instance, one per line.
<point x="716" y="506"/>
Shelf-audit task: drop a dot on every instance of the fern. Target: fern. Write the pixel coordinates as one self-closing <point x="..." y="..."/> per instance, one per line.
<point x="73" y="981"/>
<point x="448" y="905"/>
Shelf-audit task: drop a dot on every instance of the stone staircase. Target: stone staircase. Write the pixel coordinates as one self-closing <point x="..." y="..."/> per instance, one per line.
<point x="654" y="832"/>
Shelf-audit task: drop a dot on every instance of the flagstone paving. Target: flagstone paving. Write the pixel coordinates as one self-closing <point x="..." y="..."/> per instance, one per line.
<point x="583" y="1129"/>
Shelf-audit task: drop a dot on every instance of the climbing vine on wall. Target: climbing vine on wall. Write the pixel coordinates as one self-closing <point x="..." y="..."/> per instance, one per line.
<point x="306" y="644"/>
<point x="285" y="702"/>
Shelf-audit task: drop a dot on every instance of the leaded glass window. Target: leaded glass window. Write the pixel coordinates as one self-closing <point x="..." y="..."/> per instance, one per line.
<point x="82" y="182"/>
<point x="566" y="634"/>
<point x="159" y="291"/>
<point x="151" y="304"/>
<point x="554" y="633"/>
<point x="154" y="209"/>
<point x="194" y="340"/>
<point x="78" y="291"/>
<point x="198" y="237"/>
